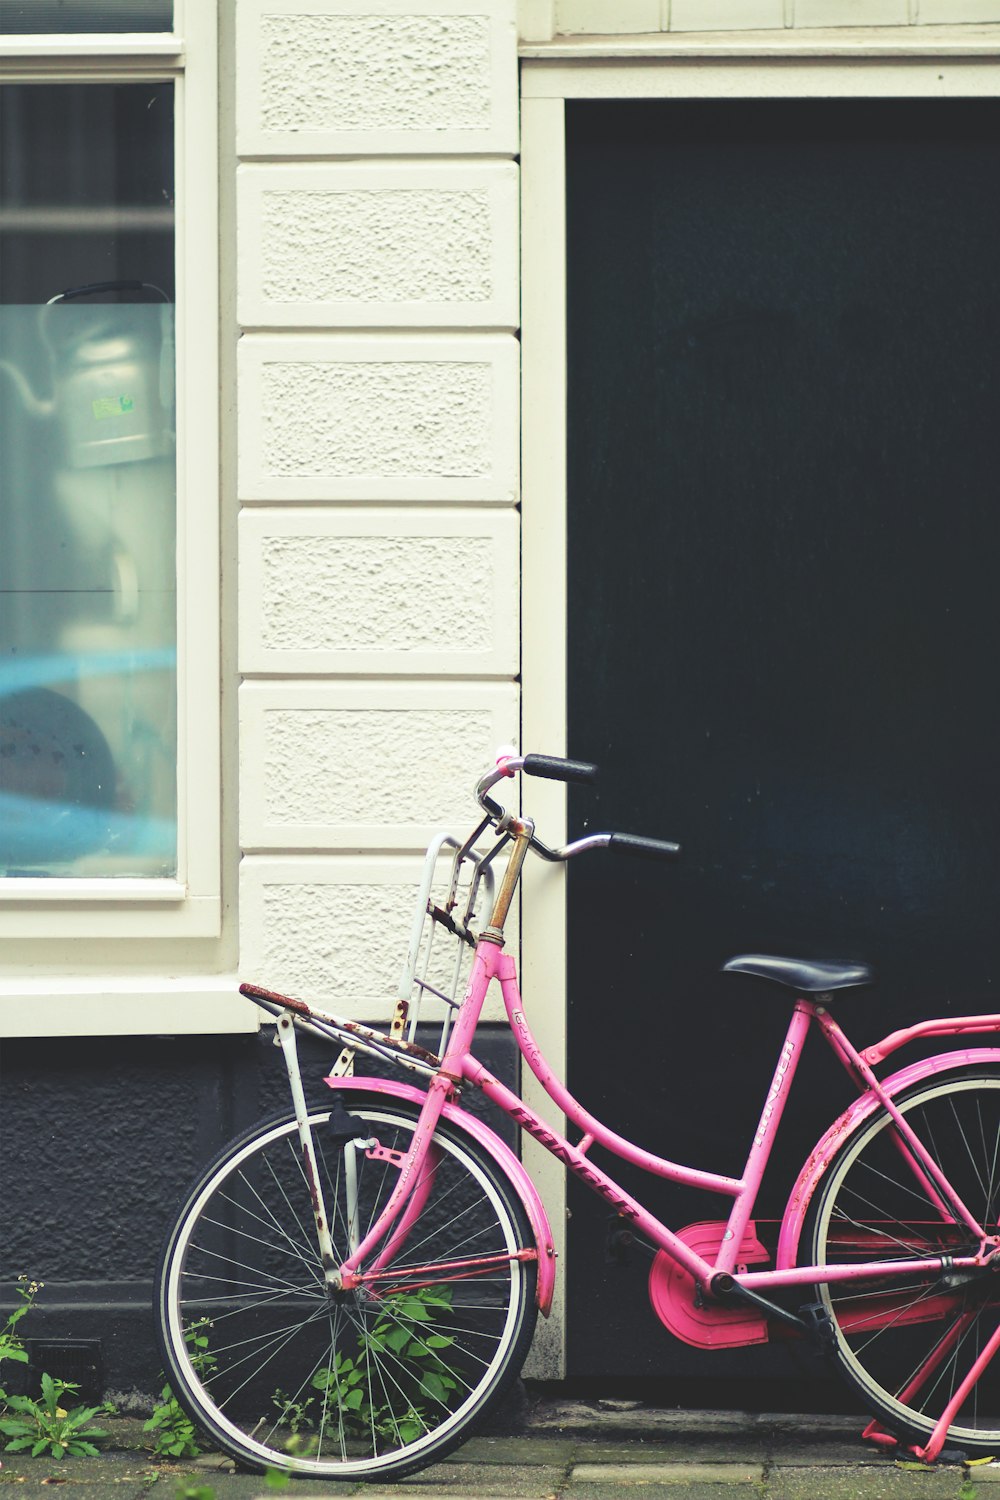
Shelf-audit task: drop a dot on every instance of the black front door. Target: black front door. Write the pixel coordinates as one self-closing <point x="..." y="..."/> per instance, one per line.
<point x="784" y="629"/>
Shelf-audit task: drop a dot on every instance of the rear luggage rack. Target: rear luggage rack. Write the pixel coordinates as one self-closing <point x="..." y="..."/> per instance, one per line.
<point x="443" y="935"/>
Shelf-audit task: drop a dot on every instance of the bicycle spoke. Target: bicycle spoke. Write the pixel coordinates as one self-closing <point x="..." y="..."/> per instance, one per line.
<point x="363" y="1383"/>
<point x="911" y="1348"/>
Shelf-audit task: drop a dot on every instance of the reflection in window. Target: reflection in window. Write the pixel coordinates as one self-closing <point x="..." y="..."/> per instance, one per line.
<point x="71" y="17"/>
<point x="87" y="481"/>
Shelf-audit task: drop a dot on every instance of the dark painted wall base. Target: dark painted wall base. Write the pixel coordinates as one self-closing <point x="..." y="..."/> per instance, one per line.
<point x="99" y="1140"/>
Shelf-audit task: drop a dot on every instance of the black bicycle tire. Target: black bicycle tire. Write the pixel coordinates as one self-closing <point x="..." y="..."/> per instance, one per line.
<point x="898" y="1418"/>
<point x="487" y="1398"/>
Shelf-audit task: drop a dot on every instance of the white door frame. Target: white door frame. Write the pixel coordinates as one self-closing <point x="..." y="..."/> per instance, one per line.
<point x="890" y="62"/>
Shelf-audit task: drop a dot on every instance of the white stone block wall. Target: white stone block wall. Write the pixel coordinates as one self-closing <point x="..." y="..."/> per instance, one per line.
<point x="377" y="290"/>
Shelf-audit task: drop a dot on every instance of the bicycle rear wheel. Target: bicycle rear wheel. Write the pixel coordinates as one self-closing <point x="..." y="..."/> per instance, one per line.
<point x="907" y="1343"/>
<point x="367" y="1384"/>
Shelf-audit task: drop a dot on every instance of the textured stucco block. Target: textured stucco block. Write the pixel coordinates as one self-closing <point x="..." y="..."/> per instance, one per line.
<point x="333" y="931"/>
<point x="373" y="244"/>
<point x="379" y="592"/>
<point x="348" y="77"/>
<point x="391" y="417"/>
<point x="327" y="766"/>
<point x="726" y="15"/>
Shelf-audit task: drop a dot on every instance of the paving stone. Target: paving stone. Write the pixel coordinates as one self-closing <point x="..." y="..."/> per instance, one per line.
<point x="667" y="1474"/>
<point x="552" y="1451"/>
<point x="99" y="1487"/>
<point x="509" y="1481"/>
<point x="985" y="1473"/>
<point x="704" y="1448"/>
<point x="885" y="1482"/>
<point x="798" y="1422"/>
<point x="124" y="1472"/>
<point x="229" y="1486"/>
<point x="817" y="1452"/>
<point x="682" y="1489"/>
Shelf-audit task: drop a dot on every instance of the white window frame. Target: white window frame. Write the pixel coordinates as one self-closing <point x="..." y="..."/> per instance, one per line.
<point x="886" y="62"/>
<point x="106" y="956"/>
<point x="188" y="905"/>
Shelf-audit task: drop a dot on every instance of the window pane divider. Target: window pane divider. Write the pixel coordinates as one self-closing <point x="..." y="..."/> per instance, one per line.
<point x="138" y="46"/>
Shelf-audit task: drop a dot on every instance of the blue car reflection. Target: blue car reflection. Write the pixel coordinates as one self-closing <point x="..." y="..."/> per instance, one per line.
<point x="62" y="796"/>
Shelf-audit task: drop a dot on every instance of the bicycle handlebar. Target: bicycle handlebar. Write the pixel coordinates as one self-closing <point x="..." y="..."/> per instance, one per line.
<point x="633" y="843"/>
<point x="555" y="768"/>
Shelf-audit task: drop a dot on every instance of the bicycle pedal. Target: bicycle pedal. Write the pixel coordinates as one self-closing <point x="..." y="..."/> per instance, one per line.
<point x="819" y="1326"/>
<point x="621" y="1243"/>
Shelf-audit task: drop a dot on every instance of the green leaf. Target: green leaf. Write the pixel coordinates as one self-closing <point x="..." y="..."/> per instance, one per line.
<point x="397" y="1338"/>
<point x="434" y="1386"/>
<point x="411" y="1308"/>
<point x="438" y="1341"/>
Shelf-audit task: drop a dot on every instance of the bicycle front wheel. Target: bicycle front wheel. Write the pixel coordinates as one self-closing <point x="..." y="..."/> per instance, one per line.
<point x="372" y="1383"/>
<point x="907" y="1342"/>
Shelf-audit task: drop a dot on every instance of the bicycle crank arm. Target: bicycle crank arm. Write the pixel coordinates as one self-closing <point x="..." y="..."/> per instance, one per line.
<point x="727" y="1289"/>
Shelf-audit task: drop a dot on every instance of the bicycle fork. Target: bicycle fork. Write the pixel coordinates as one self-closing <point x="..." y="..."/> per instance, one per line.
<point x="417" y="1195"/>
<point x="310" y="1166"/>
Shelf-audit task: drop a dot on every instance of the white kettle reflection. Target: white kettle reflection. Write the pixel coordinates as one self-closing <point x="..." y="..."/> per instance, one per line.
<point x="109" y="461"/>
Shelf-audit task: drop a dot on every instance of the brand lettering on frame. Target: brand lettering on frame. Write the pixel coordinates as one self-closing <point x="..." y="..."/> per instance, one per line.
<point x="579" y="1169"/>
<point x="784" y="1062"/>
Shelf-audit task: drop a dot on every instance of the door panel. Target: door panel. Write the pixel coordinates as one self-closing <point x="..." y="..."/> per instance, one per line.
<point x="783" y="325"/>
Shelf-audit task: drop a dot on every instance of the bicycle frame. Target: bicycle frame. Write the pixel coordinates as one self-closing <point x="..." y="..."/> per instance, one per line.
<point x="725" y="1270"/>
<point x="460" y="1066"/>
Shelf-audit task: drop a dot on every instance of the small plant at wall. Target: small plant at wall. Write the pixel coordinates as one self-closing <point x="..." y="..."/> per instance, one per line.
<point x="46" y="1426"/>
<point x="11" y="1346"/>
<point x="176" y="1434"/>
<point x="404" y="1340"/>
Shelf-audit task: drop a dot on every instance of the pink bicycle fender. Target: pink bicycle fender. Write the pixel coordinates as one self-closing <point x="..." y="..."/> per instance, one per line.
<point x="505" y="1160"/>
<point x="825" y="1150"/>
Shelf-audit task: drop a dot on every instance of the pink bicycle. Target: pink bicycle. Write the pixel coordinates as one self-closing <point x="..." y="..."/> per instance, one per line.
<point x="349" y="1289"/>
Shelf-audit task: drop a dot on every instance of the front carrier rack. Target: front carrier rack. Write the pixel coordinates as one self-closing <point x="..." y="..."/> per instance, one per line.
<point x="456" y="889"/>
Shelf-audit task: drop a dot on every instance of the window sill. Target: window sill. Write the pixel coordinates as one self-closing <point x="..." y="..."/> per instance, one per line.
<point x="189" y="1005"/>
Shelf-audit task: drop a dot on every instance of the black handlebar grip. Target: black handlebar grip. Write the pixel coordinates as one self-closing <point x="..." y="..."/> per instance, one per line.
<point x="631" y="843"/>
<point x="553" y="768"/>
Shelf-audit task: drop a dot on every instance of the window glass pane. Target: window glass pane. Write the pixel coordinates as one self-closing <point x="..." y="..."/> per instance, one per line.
<point x="43" y="17"/>
<point x="87" y="481"/>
